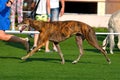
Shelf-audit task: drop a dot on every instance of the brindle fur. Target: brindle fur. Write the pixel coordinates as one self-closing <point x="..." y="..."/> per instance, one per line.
<point x="59" y="31"/>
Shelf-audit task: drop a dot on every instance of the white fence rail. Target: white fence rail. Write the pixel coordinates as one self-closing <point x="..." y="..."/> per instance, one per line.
<point x="102" y="33"/>
<point x="23" y="32"/>
<point x="36" y="32"/>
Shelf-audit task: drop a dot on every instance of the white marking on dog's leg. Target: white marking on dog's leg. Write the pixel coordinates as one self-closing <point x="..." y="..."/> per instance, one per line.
<point x="75" y="61"/>
<point x="24" y="57"/>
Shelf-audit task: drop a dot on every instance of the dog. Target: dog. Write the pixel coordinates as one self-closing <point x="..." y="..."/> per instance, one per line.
<point x="59" y="31"/>
<point x="113" y="27"/>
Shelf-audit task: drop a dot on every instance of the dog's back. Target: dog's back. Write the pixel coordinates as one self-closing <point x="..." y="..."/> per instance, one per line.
<point x="65" y="29"/>
<point x="114" y="22"/>
<point x="61" y="30"/>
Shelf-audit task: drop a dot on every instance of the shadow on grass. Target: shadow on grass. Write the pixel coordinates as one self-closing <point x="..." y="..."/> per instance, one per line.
<point x="53" y="60"/>
<point x="17" y="45"/>
<point x="93" y="50"/>
<point x="35" y="59"/>
<point x="3" y="57"/>
<point x="50" y="60"/>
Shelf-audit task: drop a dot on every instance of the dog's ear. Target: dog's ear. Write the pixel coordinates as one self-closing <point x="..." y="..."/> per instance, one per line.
<point x="30" y="19"/>
<point x="27" y="19"/>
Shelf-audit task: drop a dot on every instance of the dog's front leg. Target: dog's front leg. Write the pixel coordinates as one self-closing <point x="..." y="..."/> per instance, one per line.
<point x="32" y="52"/>
<point x="60" y="53"/>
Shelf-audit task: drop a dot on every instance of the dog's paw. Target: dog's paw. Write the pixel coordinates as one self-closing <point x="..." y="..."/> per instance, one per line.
<point x="74" y="62"/>
<point x="109" y="61"/>
<point x="24" y="58"/>
<point x="63" y="62"/>
<point x="111" y="52"/>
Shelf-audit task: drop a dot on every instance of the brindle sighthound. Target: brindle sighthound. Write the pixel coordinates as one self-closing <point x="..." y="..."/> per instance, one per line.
<point x="59" y="31"/>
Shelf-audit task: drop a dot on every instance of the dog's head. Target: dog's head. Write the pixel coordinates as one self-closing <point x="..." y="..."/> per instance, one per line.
<point x="28" y="22"/>
<point x="24" y="24"/>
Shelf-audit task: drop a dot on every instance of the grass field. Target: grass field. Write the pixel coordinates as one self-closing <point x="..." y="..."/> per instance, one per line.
<point x="46" y="66"/>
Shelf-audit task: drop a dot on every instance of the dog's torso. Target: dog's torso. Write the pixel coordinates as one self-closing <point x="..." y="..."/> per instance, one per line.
<point x="60" y="30"/>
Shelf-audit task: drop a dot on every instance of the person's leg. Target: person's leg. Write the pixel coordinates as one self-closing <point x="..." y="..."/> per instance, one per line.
<point x="47" y="47"/>
<point x="20" y="10"/>
<point x="4" y="36"/>
<point x="36" y="36"/>
<point x="55" y="14"/>
<point x="12" y="17"/>
<point x="12" y="38"/>
<point x="35" y="39"/>
<point x="54" y="17"/>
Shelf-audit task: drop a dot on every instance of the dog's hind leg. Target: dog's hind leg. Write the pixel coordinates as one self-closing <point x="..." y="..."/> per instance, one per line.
<point x="60" y="52"/>
<point x="91" y="38"/>
<point x="102" y="51"/>
<point x="79" y="44"/>
<point x="112" y="42"/>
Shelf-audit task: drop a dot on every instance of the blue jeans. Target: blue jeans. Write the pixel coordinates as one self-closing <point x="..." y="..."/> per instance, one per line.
<point x="54" y="14"/>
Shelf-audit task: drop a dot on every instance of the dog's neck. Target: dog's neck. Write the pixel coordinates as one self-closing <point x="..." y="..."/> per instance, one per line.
<point x="36" y="24"/>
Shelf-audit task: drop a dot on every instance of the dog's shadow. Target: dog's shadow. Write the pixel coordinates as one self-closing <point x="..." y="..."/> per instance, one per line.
<point x="93" y="50"/>
<point x="52" y="60"/>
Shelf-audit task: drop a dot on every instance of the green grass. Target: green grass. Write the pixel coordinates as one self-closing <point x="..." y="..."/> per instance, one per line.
<point x="46" y="66"/>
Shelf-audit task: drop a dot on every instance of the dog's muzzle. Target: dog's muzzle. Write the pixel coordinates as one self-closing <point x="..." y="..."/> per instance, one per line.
<point x="22" y="27"/>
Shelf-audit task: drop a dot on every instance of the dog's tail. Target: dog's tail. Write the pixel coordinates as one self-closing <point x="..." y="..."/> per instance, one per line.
<point x="105" y="41"/>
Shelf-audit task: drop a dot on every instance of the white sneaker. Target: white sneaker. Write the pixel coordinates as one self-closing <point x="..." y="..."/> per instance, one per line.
<point x="34" y="48"/>
<point x="55" y="49"/>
